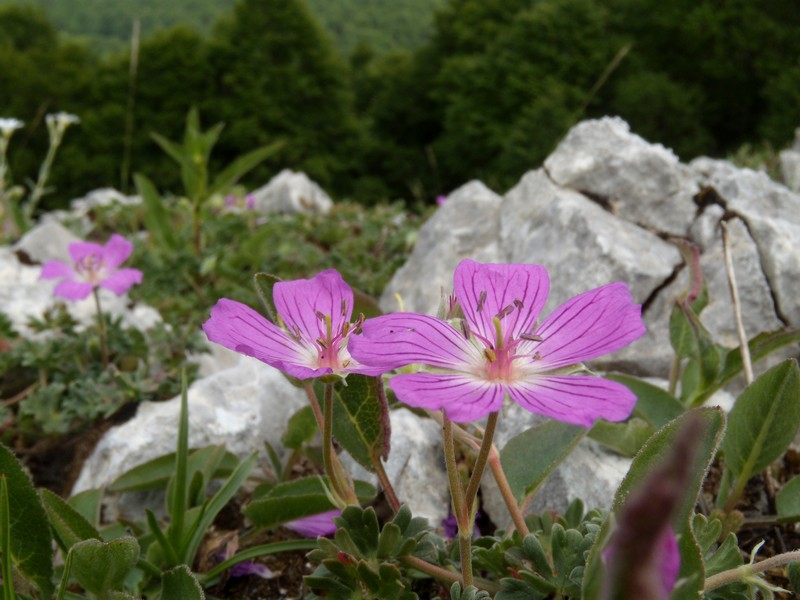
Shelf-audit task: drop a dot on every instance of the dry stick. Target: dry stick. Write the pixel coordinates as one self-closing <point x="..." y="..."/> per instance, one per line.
<point x="737" y="307"/>
<point x="739" y="573"/>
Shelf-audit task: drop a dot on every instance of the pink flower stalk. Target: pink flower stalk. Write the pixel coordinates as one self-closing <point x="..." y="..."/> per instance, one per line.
<point x="93" y="266"/>
<point x="499" y="348"/>
<point x="315" y="525"/>
<point x="312" y="342"/>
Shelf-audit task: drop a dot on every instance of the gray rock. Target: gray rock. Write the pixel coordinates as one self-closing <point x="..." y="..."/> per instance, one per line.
<point x="466" y="225"/>
<point x="415" y="466"/>
<point x="790" y="168"/>
<point x="102" y="197"/>
<point x="640" y="182"/>
<point x="241" y="407"/>
<point x="292" y="193"/>
<point x="48" y="241"/>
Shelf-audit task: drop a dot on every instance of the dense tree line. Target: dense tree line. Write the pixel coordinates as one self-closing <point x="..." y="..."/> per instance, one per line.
<point x="489" y="96"/>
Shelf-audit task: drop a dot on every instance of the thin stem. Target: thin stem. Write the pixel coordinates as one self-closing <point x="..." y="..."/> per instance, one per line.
<point x="505" y="491"/>
<point x="747" y="363"/>
<point x="44" y="173"/>
<point x="465" y="551"/>
<point x="456" y="489"/>
<point x="674" y="375"/>
<point x="198" y="235"/>
<point x="739" y="573"/>
<point x="386" y="484"/>
<point x="446" y="575"/>
<point x="340" y="482"/>
<point x="480" y="461"/>
<point x="101" y="327"/>
<point x="312" y="398"/>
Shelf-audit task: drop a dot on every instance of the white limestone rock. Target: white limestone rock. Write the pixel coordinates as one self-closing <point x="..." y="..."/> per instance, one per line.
<point x="240" y="407"/>
<point x="47" y="241"/>
<point x="465" y="226"/>
<point x="641" y="182"/>
<point x="292" y="193"/>
<point x="415" y="466"/>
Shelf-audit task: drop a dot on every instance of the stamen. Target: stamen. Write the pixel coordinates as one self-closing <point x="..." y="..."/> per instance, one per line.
<point x="465" y="328"/>
<point x="345" y="362"/>
<point x="490" y="354"/>
<point x="505" y="312"/>
<point x="537" y="356"/>
<point x="518" y="303"/>
<point x="322" y="343"/>
<point x="531" y="337"/>
<point x="344" y="307"/>
<point x="328" y="327"/>
<point x="481" y="301"/>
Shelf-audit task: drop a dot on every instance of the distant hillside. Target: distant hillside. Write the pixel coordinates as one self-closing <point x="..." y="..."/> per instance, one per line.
<point x="106" y="24"/>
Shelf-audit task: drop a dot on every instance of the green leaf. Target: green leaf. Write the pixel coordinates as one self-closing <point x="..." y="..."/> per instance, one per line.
<point x="787" y="500"/>
<point x="30" y="541"/>
<point x="156" y="218"/>
<point x="793" y="571"/>
<point x="656" y="406"/>
<point x="361" y="419"/>
<point x="156" y="473"/>
<point x="181" y="584"/>
<point x="296" y="499"/>
<point x="67" y="523"/>
<point x="240" y="166"/>
<point x="760" y="347"/>
<point x="102" y="566"/>
<point x="300" y="429"/>
<point x="530" y="457"/>
<point x="659" y="446"/>
<point x="763" y="421"/>
<point x="175" y="151"/>
<point x="88" y="503"/>
<point x="626" y="438"/>
<point x="265" y="286"/>
<point x="256" y="552"/>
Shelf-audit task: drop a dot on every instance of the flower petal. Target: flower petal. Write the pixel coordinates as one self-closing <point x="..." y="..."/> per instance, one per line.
<point x="401" y="339"/>
<point x="589" y="325"/>
<point x="73" y="290"/>
<point x="121" y="281"/>
<point x="484" y="290"/>
<point x="576" y="399"/>
<point x="670" y="560"/>
<point x="80" y="250"/>
<point x="315" y="525"/>
<point x="463" y="398"/>
<point x="116" y="251"/>
<point x="298" y="303"/>
<point x="54" y="269"/>
<point x="240" y="328"/>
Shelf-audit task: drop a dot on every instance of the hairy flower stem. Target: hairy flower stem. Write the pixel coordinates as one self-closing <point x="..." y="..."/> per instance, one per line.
<point x="460" y="510"/>
<point x="480" y="461"/>
<point x="101" y="327"/>
<point x="388" y="489"/>
<point x="745" y="571"/>
<point x="505" y="490"/>
<point x="341" y="487"/>
<point x="445" y="575"/>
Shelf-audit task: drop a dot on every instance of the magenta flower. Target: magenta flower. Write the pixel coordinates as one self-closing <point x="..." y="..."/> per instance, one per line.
<point x="315" y="525"/>
<point x="499" y="348"/>
<point x="93" y="266"/>
<point x="250" y="201"/>
<point x="667" y="559"/>
<point x="315" y="315"/>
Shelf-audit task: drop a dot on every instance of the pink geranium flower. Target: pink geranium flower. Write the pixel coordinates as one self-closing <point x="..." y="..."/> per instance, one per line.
<point x="93" y="266"/>
<point x="500" y="349"/>
<point x="315" y="525"/>
<point x="315" y="315"/>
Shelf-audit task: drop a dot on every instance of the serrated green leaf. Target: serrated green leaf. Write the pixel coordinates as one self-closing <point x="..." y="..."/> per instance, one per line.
<point x="296" y="499"/>
<point x="763" y="421"/>
<point x="30" y="542"/>
<point x="300" y="429"/>
<point x="626" y="438"/>
<point x="117" y="558"/>
<point x="68" y="525"/>
<point x="787" y="501"/>
<point x="361" y="419"/>
<point x="530" y="457"/>
<point x="656" y="406"/>
<point x="181" y="584"/>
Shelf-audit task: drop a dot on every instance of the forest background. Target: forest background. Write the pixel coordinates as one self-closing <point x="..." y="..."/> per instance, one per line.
<point x="388" y="99"/>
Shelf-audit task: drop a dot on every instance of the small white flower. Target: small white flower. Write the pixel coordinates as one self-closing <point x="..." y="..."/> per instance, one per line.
<point x="9" y="125"/>
<point x="61" y="120"/>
